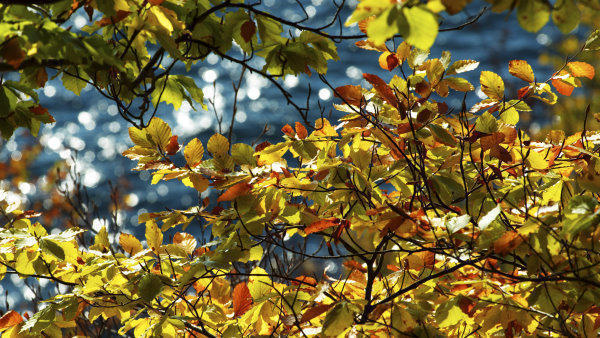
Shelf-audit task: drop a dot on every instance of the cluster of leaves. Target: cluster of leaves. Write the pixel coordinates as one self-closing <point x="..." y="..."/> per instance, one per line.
<point x="444" y="221"/>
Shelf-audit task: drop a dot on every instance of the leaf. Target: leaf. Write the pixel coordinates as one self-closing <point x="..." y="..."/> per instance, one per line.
<point x="242" y="300"/>
<point x="49" y="246"/>
<point x="351" y="94"/>
<point x="159" y="131"/>
<point x="149" y="287"/>
<point x="388" y="61"/>
<point x="533" y="14"/>
<point x="259" y="284"/>
<point x="486" y="123"/>
<point x="248" y="30"/>
<point x="10" y="319"/>
<point x="130" y="244"/>
<point x="185" y="241"/>
<point x="510" y="116"/>
<point x="458" y="83"/>
<point x="12" y="53"/>
<point x="580" y="69"/>
<point x="338" y="319"/>
<point x="382" y="89"/>
<point x="321" y="225"/>
<point x="423" y="26"/>
<point x="522" y="70"/>
<point x="218" y="145"/>
<point x="301" y="131"/>
<point x="566" y="15"/>
<point x="73" y="84"/>
<point x="193" y="152"/>
<point x="492" y="85"/>
<point x="488" y="218"/>
<point x="314" y="312"/>
<point x="239" y="189"/>
<point x="154" y="236"/>
<point x="198" y="181"/>
<point x="454" y="224"/>
<point x="173" y="146"/>
<point x="462" y="66"/>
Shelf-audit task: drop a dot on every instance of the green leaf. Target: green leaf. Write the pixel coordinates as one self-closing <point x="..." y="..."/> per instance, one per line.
<point x="338" y="319"/>
<point x="149" y="287"/>
<point x="423" y="26"/>
<point x="383" y="27"/>
<point x="566" y="15"/>
<point x="73" y="84"/>
<point x="49" y="246"/>
<point x="40" y="320"/>
<point x="486" y="123"/>
<point x="510" y="116"/>
<point x="533" y="14"/>
<point x="449" y="313"/>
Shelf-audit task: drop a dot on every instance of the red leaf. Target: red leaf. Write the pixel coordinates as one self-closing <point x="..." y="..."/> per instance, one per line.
<point x="314" y="312"/>
<point x="261" y="146"/>
<point x="10" y="319"/>
<point x="237" y="190"/>
<point x="579" y="69"/>
<point x="321" y="225"/>
<point x="242" y="300"/>
<point x="523" y="92"/>
<point x="173" y="145"/>
<point x="301" y="131"/>
<point x="351" y="94"/>
<point x="248" y="30"/>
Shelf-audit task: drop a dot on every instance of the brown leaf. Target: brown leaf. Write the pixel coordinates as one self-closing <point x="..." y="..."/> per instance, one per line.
<point x="501" y="154"/>
<point x="155" y="2"/>
<point x="314" y="312"/>
<point x="351" y="94"/>
<point x="248" y="30"/>
<point x="321" y="225"/>
<point x="173" y="146"/>
<point x="41" y="77"/>
<point x="490" y="141"/>
<point x="508" y="242"/>
<point x="10" y="319"/>
<point x="301" y="131"/>
<point x="12" y="53"/>
<point x="242" y="300"/>
<point x="382" y="89"/>
<point x="235" y="191"/>
<point x="119" y="16"/>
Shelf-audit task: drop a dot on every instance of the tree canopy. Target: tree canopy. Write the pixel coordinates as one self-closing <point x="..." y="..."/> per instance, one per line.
<point x="447" y="221"/>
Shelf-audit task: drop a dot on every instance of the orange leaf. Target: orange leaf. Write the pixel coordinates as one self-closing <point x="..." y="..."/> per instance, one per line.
<point x="288" y="130"/>
<point x="562" y="87"/>
<point x="579" y="69"/>
<point x="12" y="53"/>
<point x="185" y="241"/>
<point x="351" y="94"/>
<point x="388" y="61"/>
<point x="242" y="300"/>
<point x="314" y="312"/>
<point x="301" y="131"/>
<point x="304" y="280"/>
<point x="490" y="141"/>
<point x="10" y="319"/>
<point x="248" y="30"/>
<point x="234" y="191"/>
<point x="173" y="145"/>
<point x="509" y="241"/>
<point x="321" y="225"/>
<point x="41" y="77"/>
<point x="155" y="2"/>
<point x="522" y="70"/>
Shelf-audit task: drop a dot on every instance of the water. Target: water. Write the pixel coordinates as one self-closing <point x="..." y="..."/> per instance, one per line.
<point x="91" y="127"/>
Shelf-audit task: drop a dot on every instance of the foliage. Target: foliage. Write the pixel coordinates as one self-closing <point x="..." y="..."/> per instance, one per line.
<point x="446" y="222"/>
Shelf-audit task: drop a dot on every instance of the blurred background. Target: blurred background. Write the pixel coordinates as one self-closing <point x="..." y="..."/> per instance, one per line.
<point x="82" y="150"/>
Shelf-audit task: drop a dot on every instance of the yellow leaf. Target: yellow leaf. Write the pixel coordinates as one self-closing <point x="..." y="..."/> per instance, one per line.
<point x="154" y="236"/>
<point x="492" y="85"/>
<point x="185" y="241"/>
<point x="159" y="131"/>
<point x="160" y="18"/>
<point x="193" y="152"/>
<point x="258" y="283"/>
<point x="522" y="70"/>
<point x="130" y="244"/>
<point x="218" y="145"/>
<point x="198" y="182"/>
